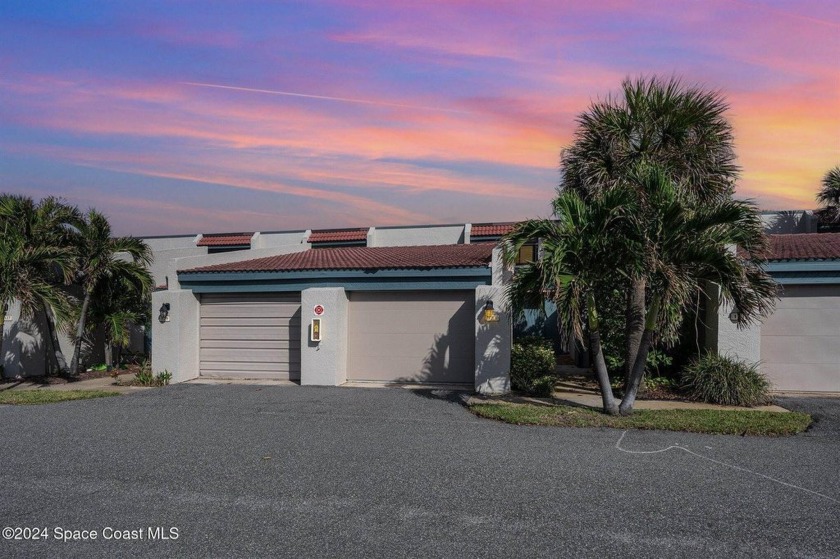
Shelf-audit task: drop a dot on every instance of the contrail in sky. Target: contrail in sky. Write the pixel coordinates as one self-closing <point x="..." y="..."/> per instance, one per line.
<point x="322" y="97"/>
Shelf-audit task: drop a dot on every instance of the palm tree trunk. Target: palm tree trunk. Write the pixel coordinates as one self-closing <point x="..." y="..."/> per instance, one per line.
<point x="109" y="355"/>
<point x="60" y="360"/>
<point x="634" y="327"/>
<point x="5" y="309"/>
<point x="603" y="378"/>
<point x="80" y="331"/>
<point x="626" y="407"/>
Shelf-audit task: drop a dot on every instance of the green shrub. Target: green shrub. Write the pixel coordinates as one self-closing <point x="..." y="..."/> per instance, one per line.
<point x="532" y="366"/>
<point x="144" y="378"/>
<point x="163" y="378"/>
<point x="720" y="379"/>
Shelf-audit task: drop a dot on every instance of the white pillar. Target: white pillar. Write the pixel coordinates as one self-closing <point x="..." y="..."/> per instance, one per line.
<point x="175" y="342"/>
<point x="324" y="363"/>
<point x="492" y="342"/>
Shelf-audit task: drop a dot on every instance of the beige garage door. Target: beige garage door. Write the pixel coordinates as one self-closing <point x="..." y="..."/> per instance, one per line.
<point x="416" y="336"/>
<point x="250" y="336"/>
<point x="800" y="342"/>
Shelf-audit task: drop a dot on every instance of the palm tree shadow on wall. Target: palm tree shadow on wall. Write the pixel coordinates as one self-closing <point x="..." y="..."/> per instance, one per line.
<point x="24" y="353"/>
<point x="444" y="360"/>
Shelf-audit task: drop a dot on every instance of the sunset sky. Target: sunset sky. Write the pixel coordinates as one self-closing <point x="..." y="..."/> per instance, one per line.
<point x="207" y="116"/>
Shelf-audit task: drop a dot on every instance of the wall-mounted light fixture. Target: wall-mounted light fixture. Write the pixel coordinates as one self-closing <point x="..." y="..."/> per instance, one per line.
<point x="164" y="313"/>
<point x="734" y="316"/>
<point x="489" y="312"/>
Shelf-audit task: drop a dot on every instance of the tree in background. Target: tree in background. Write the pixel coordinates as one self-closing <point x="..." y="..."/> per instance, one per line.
<point x="118" y="306"/>
<point x="654" y="121"/>
<point x="37" y="260"/>
<point x="829" y="198"/>
<point x="102" y="259"/>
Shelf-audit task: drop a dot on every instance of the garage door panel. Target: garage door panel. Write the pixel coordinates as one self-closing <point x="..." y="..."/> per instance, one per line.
<point x="799" y="349"/>
<point x="249" y="333"/>
<point x="250" y="336"/>
<point x="247" y="356"/>
<point x="800" y="341"/>
<point x="242" y="321"/>
<point x="412" y="336"/>
<point x="252" y="310"/>
<point x="235" y="345"/>
<point x="799" y="322"/>
<point x="419" y="345"/>
<point x="245" y="366"/>
<point x="814" y="377"/>
<point x="809" y="297"/>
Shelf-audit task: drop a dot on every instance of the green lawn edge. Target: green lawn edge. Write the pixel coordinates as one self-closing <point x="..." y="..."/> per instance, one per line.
<point x="34" y="397"/>
<point x="718" y="422"/>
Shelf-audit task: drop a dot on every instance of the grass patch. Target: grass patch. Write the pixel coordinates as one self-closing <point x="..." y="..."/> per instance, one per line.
<point x="28" y="397"/>
<point x="722" y="422"/>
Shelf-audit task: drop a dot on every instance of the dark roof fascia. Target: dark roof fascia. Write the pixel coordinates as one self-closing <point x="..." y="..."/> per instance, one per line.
<point x="351" y="280"/>
<point x="239" y="246"/>
<point x="335" y="244"/>
<point x="805" y="272"/>
<point x="802" y="265"/>
<point x="314" y="274"/>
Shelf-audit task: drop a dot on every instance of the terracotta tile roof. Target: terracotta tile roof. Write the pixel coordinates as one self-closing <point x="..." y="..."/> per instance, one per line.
<point x="225" y="239"/>
<point x="490" y="229"/>
<point x="338" y="235"/>
<point x="805" y="246"/>
<point x="365" y="258"/>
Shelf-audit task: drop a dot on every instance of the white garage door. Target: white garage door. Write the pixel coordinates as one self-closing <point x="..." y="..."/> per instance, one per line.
<point x="250" y="336"/>
<point x="416" y="336"/>
<point x="800" y="342"/>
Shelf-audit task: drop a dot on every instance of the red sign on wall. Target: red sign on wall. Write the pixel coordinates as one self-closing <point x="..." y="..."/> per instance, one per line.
<point x="318" y="310"/>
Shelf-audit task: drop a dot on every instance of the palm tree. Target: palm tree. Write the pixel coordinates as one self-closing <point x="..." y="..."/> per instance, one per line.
<point x="829" y="197"/>
<point x="676" y="248"/>
<point x="684" y="249"/>
<point x="653" y="121"/>
<point x="101" y="259"/>
<point x="578" y="251"/>
<point x="117" y="305"/>
<point x="36" y="259"/>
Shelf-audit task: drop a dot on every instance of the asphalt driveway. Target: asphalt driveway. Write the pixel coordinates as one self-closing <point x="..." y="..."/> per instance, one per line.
<point x="245" y="471"/>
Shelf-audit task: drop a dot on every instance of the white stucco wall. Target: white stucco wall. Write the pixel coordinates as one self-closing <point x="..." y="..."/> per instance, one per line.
<point x="175" y="343"/>
<point x="171" y="243"/>
<point x="492" y="342"/>
<point x="724" y="337"/>
<point x="416" y="236"/>
<point x="159" y="267"/>
<point x="324" y="363"/>
<point x="279" y="239"/>
<point x="175" y="264"/>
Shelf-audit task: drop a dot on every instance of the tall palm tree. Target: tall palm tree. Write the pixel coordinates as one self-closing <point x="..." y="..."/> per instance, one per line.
<point x="678" y="249"/>
<point x="829" y="197"/>
<point x="102" y="258"/>
<point x="657" y="121"/>
<point x="685" y="248"/>
<point x="578" y="251"/>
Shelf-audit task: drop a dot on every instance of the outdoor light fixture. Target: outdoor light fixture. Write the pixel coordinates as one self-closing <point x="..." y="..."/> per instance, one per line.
<point x="490" y="313"/>
<point x="164" y="313"/>
<point x="734" y="316"/>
